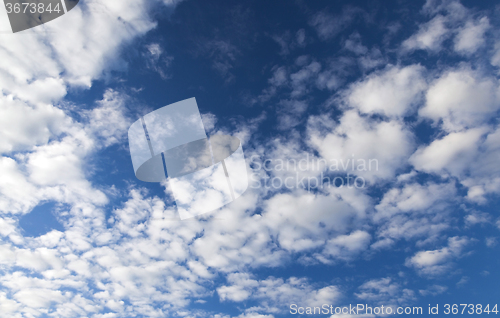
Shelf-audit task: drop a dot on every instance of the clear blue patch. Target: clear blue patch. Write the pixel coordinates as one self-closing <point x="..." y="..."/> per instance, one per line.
<point x="40" y="220"/>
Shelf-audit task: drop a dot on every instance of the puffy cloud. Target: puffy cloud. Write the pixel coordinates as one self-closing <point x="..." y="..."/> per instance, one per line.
<point x="300" y="231"/>
<point x="477" y="217"/>
<point x="385" y="291"/>
<point x="452" y="153"/>
<point x="437" y="262"/>
<point x="429" y="36"/>
<point x="108" y="122"/>
<point x="462" y="98"/>
<point x="354" y="44"/>
<point x="387" y="144"/>
<point x="142" y="260"/>
<point x="495" y="59"/>
<point x="471" y="36"/>
<point x="346" y="246"/>
<point x="414" y="197"/>
<point x="23" y="126"/>
<point x="449" y="18"/>
<point x="394" y="92"/>
<point x="300" y="79"/>
<point x="414" y="211"/>
<point x="77" y="47"/>
<point x="275" y="294"/>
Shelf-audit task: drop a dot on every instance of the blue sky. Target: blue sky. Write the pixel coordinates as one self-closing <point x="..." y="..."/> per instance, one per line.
<point x="413" y="85"/>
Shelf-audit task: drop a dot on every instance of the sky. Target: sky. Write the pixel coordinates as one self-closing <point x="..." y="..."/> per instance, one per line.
<point x="370" y="131"/>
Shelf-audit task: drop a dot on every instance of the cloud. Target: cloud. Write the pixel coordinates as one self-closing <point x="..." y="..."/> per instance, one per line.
<point x="393" y="92"/>
<point x="429" y="36"/>
<point x="414" y="197"/>
<point x="78" y="46"/>
<point x="491" y="241"/>
<point x="438" y="262"/>
<point x="157" y="61"/>
<point x="347" y="246"/>
<point x="449" y="18"/>
<point x="109" y="121"/>
<point x="495" y="59"/>
<point x="275" y="294"/>
<point x="452" y="153"/>
<point x="137" y="258"/>
<point x="433" y="290"/>
<point x="461" y="98"/>
<point x="386" y="143"/>
<point x="384" y="291"/>
<point x="290" y="113"/>
<point x="24" y="126"/>
<point x="298" y="231"/>
<point x="328" y="26"/>
<point x="354" y="44"/>
<point x="471" y="37"/>
<point x="223" y="55"/>
<point x="477" y="217"/>
<point x="300" y="79"/>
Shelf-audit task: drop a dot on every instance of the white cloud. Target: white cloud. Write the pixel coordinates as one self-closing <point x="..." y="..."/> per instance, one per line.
<point x="108" y="122"/>
<point x="433" y="290"/>
<point x="300" y="79"/>
<point x="495" y="59"/>
<point x="158" y="61"/>
<point x="462" y="98"/>
<point x="142" y="260"/>
<point x="384" y="291"/>
<point x="491" y="241"/>
<point x="300" y="231"/>
<point x="438" y="262"/>
<point x="471" y="36"/>
<point x="477" y="217"/>
<point x="354" y="44"/>
<point x="275" y="294"/>
<point x="346" y="246"/>
<point x="412" y="198"/>
<point x="393" y="92"/>
<point x="388" y="142"/>
<point x="23" y="126"/>
<point x="429" y="36"/>
<point x="452" y="153"/>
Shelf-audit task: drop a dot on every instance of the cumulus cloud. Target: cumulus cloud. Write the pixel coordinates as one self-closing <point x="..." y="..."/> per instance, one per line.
<point x="437" y="262"/>
<point x="429" y="36"/>
<point x="471" y="36"/>
<point x="394" y="92"/>
<point x="275" y="294"/>
<point x="462" y="98"/>
<point x="452" y="153"/>
<point x="347" y="246"/>
<point x="384" y="291"/>
<point x="358" y="137"/>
